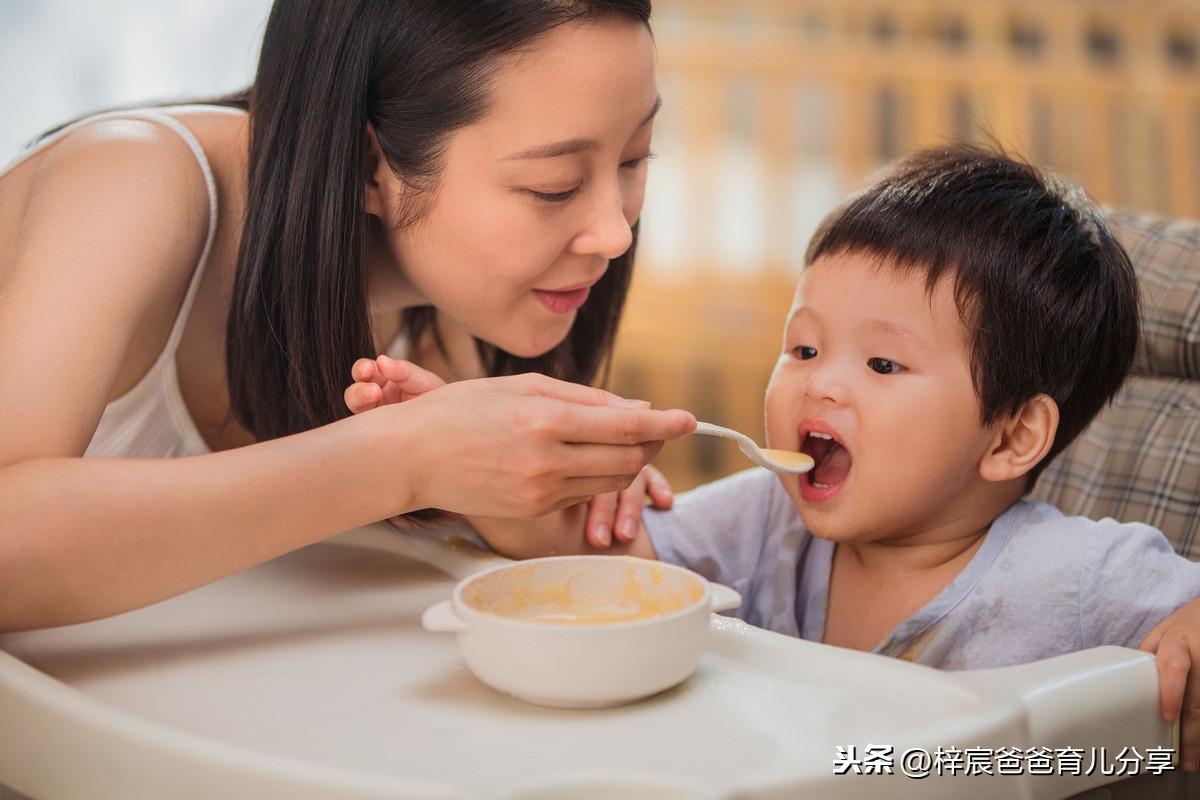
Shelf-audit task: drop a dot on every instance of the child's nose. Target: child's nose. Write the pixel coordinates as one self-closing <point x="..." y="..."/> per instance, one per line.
<point x="826" y="382"/>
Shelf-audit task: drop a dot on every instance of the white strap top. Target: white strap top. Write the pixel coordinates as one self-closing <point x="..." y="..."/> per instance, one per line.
<point x="151" y="420"/>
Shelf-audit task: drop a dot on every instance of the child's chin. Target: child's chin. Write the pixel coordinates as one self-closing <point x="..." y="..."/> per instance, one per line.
<point x="820" y="519"/>
<point x="825" y="523"/>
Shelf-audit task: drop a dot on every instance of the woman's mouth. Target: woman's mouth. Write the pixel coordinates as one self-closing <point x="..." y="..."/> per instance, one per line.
<point x="563" y="302"/>
<point x="832" y="465"/>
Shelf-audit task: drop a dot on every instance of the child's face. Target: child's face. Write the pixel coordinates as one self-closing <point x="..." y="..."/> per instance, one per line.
<point x="881" y="365"/>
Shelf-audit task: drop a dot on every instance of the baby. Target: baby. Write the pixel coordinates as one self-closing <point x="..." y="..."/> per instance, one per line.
<point x="957" y="325"/>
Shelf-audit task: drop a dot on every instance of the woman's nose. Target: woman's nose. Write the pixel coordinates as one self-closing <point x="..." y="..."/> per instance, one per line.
<point x="608" y="232"/>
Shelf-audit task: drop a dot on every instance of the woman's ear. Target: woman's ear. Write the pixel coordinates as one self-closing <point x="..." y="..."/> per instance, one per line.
<point x="375" y="177"/>
<point x="1022" y="442"/>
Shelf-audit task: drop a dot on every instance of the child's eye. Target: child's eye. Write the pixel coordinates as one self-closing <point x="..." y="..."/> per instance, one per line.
<point x="804" y="353"/>
<point x="553" y="197"/>
<point x="883" y="366"/>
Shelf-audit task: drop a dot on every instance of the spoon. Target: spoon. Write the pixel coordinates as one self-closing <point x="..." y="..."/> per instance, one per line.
<point x="786" y="462"/>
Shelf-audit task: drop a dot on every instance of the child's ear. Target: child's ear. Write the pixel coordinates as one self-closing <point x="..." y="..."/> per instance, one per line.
<point x="1022" y="442"/>
<point x="375" y="177"/>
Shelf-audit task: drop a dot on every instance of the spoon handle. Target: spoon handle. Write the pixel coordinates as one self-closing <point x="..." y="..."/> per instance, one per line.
<point x="751" y="449"/>
<point x="708" y="429"/>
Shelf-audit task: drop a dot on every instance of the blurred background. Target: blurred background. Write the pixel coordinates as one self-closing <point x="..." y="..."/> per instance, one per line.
<point x="773" y="111"/>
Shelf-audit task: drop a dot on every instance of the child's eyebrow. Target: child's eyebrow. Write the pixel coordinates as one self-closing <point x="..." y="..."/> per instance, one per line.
<point x="798" y="311"/>
<point x="898" y="329"/>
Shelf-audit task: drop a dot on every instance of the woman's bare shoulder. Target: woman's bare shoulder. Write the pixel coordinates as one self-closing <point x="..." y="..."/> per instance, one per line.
<point x="113" y="156"/>
<point x="129" y="190"/>
<point x="113" y="222"/>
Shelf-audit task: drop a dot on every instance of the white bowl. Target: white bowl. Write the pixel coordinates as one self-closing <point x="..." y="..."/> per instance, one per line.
<point x="581" y="631"/>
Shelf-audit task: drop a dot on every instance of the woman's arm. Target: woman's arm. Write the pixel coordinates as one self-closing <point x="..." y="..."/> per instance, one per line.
<point x="604" y="520"/>
<point x="86" y="538"/>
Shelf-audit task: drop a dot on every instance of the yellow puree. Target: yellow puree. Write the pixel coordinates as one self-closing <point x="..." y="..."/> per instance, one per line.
<point x="789" y="458"/>
<point x="557" y="603"/>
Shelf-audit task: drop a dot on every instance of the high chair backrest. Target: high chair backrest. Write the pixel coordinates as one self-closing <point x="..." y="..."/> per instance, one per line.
<point x="1139" y="460"/>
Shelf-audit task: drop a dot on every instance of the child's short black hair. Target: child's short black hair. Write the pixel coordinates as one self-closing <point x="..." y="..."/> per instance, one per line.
<point x="1048" y="296"/>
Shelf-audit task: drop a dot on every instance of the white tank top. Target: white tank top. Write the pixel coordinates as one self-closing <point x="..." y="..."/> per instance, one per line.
<point x="151" y="420"/>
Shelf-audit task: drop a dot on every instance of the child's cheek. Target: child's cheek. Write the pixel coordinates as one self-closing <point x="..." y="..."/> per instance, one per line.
<point x="780" y="404"/>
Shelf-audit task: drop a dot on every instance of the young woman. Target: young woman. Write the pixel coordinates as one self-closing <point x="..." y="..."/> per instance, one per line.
<point x="457" y="181"/>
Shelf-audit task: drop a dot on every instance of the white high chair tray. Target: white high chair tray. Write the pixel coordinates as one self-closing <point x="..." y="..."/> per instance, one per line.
<point x="310" y="677"/>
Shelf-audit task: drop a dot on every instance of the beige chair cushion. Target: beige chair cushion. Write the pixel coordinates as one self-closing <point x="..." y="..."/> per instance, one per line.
<point x="1139" y="461"/>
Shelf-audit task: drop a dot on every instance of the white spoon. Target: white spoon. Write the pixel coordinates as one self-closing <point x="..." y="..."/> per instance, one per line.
<point x="783" y="461"/>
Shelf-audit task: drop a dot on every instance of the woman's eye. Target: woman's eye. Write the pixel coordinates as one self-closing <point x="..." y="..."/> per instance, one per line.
<point x="884" y="366"/>
<point x="554" y="197"/>
<point x="562" y="197"/>
<point x="634" y="163"/>
<point x="804" y="353"/>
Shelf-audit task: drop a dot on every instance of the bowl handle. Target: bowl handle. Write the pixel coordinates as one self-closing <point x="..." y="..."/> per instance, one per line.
<point x="441" y="618"/>
<point x="723" y="598"/>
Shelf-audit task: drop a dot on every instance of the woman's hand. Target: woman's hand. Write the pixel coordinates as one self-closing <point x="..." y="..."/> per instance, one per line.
<point x="551" y="443"/>
<point x="1175" y="643"/>
<point x="613" y="516"/>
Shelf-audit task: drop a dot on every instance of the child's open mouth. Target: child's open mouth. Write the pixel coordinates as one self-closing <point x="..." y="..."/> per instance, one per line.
<point x="832" y="466"/>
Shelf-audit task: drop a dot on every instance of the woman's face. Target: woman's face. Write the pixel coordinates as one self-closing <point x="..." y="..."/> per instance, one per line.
<point x="536" y="197"/>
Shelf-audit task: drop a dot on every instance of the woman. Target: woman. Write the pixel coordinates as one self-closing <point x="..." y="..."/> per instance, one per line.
<point x="457" y="180"/>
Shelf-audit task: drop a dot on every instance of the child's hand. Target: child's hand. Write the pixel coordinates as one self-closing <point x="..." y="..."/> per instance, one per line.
<point x="613" y="517"/>
<point x="617" y="515"/>
<point x="1175" y="643"/>
<point x="385" y="380"/>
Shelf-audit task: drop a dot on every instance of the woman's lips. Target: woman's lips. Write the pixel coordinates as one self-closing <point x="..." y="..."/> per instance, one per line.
<point x="563" y="302"/>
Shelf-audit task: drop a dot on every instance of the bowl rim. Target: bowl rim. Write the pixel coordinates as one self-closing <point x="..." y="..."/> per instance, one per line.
<point x="472" y="614"/>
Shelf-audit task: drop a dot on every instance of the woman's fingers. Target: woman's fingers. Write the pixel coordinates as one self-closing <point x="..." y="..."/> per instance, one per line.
<point x="580" y="489"/>
<point x="606" y="460"/>
<point x="503" y="447"/>
<point x="618" y="425"/>
<point x="534" y="383"/>
<point x="602" y="511"/>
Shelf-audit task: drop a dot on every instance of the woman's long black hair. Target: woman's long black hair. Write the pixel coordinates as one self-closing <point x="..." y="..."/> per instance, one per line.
<point x="416" y="70"/>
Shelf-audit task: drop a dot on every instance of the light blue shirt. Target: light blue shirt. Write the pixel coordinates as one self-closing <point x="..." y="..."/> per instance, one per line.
<point x="1041" y="584"/>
